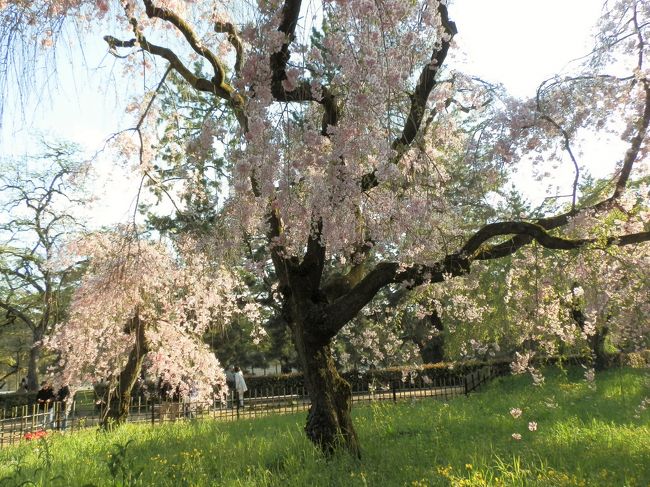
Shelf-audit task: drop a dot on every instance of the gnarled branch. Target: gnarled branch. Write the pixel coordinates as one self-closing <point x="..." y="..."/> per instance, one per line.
<point x="347" y="306"/>
<point x="168" y="15"/>
<point x="234" y="39"/>
<point x="426" y="83"/>
<point x="200" y="84"/>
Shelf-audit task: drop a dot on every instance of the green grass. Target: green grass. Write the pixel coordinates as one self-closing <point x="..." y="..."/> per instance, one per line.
<point x="584" y="437"/>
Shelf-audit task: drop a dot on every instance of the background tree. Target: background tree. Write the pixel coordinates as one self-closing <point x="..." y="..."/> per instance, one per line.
<point x="39" y="198"/>
<point x="139" y="306"/>
<point x="15" y="341"/>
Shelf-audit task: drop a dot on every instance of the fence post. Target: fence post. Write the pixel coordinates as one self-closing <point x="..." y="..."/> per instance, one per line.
<point x="465" y="385"/>
<point x="394" y="391"/>
<point x="153" y="404"/>
<point x="284" y="399"/>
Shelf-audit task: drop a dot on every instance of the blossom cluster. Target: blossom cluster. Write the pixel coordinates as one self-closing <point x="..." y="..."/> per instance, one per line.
<point x="176" y="298"/>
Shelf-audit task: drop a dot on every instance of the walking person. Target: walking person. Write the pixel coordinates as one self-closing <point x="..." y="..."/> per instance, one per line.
<point x="230" y="382"/>
<point x="240" y="386"/>
<point x="190" y="401"/>
<point x="45" y="397"/>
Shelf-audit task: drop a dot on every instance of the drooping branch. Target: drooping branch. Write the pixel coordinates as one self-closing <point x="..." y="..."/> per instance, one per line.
<point x="549" y="223"/>
<point x="426" y="82"/>
<point x="631" y="154"/>
<point x="348" y="305"/>
<point x="159" y="87"/>
<point x="567" y="146"/>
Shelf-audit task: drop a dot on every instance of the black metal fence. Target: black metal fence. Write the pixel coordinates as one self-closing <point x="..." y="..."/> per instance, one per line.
<point x="32" y="421"/>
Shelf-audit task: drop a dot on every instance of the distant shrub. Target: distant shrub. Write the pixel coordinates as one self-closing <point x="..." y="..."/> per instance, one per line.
<point x="636" y="360"/>
<point x="14" y="399"/>
<point x="360" y="380"/>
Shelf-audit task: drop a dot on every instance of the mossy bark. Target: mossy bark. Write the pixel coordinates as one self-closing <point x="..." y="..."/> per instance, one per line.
<point x="329" y="422"/>
<point x="305" y="304"/>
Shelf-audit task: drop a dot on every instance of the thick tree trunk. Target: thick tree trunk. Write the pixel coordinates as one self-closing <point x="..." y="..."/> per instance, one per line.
<point x="118" y="396"/>
<point x="32" y="364"/>
<point x="329" y="423"/>
<point x="602" y="359"/>
<point x="433" y="350"/>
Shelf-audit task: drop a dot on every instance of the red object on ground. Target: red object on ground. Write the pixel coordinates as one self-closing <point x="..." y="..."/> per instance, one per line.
<point x="35" y="435"/>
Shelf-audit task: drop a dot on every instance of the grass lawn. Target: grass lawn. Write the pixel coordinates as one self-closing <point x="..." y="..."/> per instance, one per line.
<point x="584" y="437"/>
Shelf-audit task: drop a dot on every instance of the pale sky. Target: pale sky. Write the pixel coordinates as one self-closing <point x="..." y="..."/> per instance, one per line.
<point x="519" y="43"/>
<point x="523" y="42"/>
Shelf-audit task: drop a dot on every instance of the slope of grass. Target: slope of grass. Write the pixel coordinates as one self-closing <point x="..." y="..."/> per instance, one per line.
<point x="584" y="437"/>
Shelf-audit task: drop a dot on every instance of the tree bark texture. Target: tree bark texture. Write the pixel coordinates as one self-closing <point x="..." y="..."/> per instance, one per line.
<point x="601" y="358"/>
<point x="432" y="350"/>
<point x="32" y="364"/>
<point x="329" y="422"/>
<point x="118" y="396"/>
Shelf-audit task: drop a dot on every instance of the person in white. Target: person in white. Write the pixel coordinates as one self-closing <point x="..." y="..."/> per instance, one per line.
<point x="240" y="386"/>
<point x="190" y="401"/>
